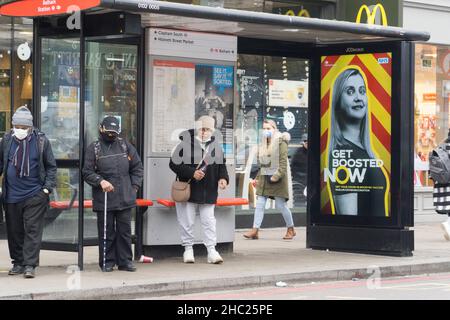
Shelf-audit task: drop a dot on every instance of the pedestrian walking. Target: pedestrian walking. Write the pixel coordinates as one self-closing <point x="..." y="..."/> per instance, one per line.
<point x="29" y="176"/>
<point x="199" y="160"/>
<point x="441" y="191"/>
<point x="113" y="166"/>
<point x="271" y="181"/>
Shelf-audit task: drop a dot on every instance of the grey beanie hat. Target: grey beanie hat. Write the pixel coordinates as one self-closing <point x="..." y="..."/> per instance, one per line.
<point x="22" y="117"/>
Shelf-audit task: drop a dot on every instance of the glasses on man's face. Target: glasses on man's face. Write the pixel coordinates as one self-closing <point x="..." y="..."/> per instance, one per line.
<point x="205" y="130"/>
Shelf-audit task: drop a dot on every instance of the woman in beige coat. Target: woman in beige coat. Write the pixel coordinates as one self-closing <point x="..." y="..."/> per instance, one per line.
<point x="272" y="180"/>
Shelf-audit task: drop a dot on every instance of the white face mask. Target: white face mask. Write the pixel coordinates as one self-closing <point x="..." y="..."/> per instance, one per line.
<point x="20" y="133"/>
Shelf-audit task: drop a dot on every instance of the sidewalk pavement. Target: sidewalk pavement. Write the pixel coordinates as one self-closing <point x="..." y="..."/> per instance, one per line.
<point x="253" y="263"/>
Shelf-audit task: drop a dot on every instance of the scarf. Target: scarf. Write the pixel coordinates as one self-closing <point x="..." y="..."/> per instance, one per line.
<point x="203" y="143"/>
<point x="21" y="159"/>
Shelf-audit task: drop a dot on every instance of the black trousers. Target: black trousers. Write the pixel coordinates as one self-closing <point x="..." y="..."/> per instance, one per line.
<point x="24" y="226"/>
<point x="118" y="238"/>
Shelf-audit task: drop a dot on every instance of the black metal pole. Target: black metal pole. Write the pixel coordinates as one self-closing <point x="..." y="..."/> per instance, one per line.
<point x="11" y="69"/>
<point x="36" y="60"/>
<point x="138" y="249"/>
<point x="81" y="147"/>
<point x="140" y="211"/>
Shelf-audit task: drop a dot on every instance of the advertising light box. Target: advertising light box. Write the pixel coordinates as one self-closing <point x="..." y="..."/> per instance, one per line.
<point x="355" y="143"/>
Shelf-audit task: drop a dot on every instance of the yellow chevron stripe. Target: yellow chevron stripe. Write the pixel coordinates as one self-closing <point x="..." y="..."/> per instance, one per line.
<point x="324" y="197"/>
<point x="380" y="112"/>
<point x="341" y="63"/>
<point x="381" y="152"/>
<point x="323" y="58"/>
<point x="325" y="122"/>
<point x="323" y="159"/>
<point x="377" y="71"/>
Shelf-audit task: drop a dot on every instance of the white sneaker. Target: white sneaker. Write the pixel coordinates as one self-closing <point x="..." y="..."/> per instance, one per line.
<point x="214" y="257"/>
<point x="188" y="256"/>
<point x="446" y="228"/>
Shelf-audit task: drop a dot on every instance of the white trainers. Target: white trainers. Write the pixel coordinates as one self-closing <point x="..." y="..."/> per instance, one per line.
<point x="446" y="228"/>
<point x="188" y="256"/>
<point x="214" y="257"/>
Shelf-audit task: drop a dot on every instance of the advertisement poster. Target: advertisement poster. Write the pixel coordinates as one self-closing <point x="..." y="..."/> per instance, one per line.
<point x="355" y="145"/>
<point x="288" y="93"/>
<point x="214" y="90"/>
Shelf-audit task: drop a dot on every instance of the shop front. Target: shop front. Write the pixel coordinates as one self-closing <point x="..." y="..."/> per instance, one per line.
<point x="157" y="66"/>
<point x="432" y="89"/>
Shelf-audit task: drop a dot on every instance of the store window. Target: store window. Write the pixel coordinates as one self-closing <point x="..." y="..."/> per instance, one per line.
<point x="16" y="78"/>
<point x="5" y="75"/>
<point x="5" y="83"/>
<point x="308" y="9"/>
<point x="432" y="107"/>
<point x="273" y="88"/>
<point x="22" y="60"/>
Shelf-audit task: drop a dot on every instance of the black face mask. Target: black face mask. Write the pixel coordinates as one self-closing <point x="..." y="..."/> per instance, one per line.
<point x="109" y="136"/>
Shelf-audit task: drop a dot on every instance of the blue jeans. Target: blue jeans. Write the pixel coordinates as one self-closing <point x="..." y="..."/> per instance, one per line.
<point x="280" y="204"/>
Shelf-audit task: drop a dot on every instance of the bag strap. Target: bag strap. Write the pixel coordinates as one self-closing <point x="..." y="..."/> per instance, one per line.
<point x="200" y="164"/>
<point x="97" y="148"/>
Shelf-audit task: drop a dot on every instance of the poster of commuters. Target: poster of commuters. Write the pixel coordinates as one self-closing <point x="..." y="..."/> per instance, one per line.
<point x="356" y="135"/>
<point x="214" y="91"/>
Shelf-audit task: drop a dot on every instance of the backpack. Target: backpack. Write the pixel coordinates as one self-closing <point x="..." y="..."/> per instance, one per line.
<point x="440" y="165"/>
<point x="97" y="148"/>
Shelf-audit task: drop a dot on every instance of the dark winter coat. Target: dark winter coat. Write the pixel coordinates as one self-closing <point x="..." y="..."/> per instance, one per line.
<point x="124" y="171"/>
<point x="47" y="162"/>
<point x="184" y="165"/>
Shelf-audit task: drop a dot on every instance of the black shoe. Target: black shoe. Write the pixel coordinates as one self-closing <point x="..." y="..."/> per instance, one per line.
<point x="16" y="269"/>
<point x="129" y="267"/>
<point x="108" y="268"/>
<point x="29" y="272"/>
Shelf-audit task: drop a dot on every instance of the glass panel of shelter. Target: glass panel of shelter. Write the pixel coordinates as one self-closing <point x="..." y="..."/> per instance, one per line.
<point x="60" y="111"/>
<point x="111" y="90"/>
<point x="273" y="88"/>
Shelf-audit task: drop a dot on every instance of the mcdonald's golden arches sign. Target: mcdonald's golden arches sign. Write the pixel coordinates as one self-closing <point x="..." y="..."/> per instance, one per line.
<point x="374" y="12"/>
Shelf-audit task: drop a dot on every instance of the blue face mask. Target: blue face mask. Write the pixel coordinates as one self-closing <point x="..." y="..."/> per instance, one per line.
<point x="267" y="134"/>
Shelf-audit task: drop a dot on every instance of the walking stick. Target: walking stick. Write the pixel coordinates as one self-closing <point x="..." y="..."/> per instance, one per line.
<point x="104" y="233"/>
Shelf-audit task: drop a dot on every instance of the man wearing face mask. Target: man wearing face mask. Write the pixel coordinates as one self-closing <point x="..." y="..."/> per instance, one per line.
<point x="199" y="159"/>
<point x="112" y="165"/>
<point x="29" y="170"/>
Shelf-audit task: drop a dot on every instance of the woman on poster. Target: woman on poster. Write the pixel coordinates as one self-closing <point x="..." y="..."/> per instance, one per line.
<point x="359" y="188"/>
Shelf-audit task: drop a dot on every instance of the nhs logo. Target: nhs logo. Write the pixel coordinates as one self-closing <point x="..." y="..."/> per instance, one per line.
<point x="383" y="60"/>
